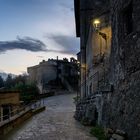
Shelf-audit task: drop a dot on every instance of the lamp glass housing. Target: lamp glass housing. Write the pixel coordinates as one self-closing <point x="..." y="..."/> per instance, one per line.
<point x="96" y="24"/>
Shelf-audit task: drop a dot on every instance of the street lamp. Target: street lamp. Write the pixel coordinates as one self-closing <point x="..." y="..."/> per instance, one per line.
<point x="97" y="25"/>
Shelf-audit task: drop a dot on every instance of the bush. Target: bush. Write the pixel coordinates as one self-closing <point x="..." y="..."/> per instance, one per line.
<point x="28" y="92"/>
<point x="98" y="132"/>
<point x="76" y="99"/>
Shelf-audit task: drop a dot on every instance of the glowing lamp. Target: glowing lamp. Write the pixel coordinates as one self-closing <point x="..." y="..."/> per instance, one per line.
<point x="96" y="24"/>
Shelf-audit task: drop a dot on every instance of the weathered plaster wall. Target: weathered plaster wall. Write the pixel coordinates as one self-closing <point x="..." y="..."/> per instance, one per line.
<point x="44" y="71"/>
<point x="89" y="10"/>
<point x="97" y="50"/>
<point x="42" y="74"/>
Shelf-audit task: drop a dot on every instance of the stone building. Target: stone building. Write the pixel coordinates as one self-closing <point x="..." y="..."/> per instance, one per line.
<point x="110" y="66"/>
<point x="95" y="47"/>
<point x="54" y="73"/>
<point x="9" y="102"/>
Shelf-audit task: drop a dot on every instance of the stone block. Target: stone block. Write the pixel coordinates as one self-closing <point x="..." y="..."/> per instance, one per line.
<point x="117" y="137"/>
<point x="121" y="133"/>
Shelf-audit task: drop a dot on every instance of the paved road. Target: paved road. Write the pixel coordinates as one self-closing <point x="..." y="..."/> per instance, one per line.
<point x="55" y="123"/>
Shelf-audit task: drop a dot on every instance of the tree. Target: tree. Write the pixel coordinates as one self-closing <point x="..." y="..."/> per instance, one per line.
<point x="9" y="81"/>
<point x="1" y="82"/>
<point x="28" y="92"/>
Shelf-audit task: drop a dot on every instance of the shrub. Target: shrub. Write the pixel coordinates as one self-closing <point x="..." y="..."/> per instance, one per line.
<point x="98" y="132"/>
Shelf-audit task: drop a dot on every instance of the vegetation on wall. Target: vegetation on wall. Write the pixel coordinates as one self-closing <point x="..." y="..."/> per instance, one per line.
<point x="98" y="132"/>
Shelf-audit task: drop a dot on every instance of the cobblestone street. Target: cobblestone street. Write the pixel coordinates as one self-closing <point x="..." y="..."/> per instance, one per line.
<point x="55" y="123"/>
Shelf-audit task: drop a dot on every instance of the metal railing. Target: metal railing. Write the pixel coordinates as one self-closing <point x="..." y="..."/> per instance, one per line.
<point x="14" y="114"/>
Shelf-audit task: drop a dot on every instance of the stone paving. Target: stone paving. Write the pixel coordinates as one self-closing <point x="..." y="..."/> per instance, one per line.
<point x="55" y="123"/>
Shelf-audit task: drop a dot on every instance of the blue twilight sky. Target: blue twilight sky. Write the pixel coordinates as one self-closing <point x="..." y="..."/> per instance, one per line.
<point x="33" y="30"/>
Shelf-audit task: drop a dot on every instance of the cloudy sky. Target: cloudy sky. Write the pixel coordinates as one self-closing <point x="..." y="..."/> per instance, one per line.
<point x="33" y="30"/>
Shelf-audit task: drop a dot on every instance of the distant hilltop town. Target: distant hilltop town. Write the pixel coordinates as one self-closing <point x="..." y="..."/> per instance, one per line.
<point x="55" y="74"/>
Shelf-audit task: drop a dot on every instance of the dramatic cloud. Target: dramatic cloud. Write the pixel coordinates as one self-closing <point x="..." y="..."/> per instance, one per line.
<point x="25" y="43"/>
<point x="69" y="44"/>
<point x="35" y="18"/>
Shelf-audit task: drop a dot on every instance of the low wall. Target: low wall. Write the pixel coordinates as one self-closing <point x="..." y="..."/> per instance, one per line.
<point x="86" y="111"/>
<point x="89" y="111"/>
<point x="14" y="123"/>
<point x="38" y="110"/>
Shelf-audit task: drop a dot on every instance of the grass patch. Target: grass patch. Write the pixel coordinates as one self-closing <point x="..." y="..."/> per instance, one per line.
<point x="98" y="132"/>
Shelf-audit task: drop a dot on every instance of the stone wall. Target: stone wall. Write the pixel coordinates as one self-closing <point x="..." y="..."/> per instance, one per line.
<point x="89" y="109"/>
<point x="85" y="111"/>
<point x="124" y="107"/>
<point x="120" y="108"/>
